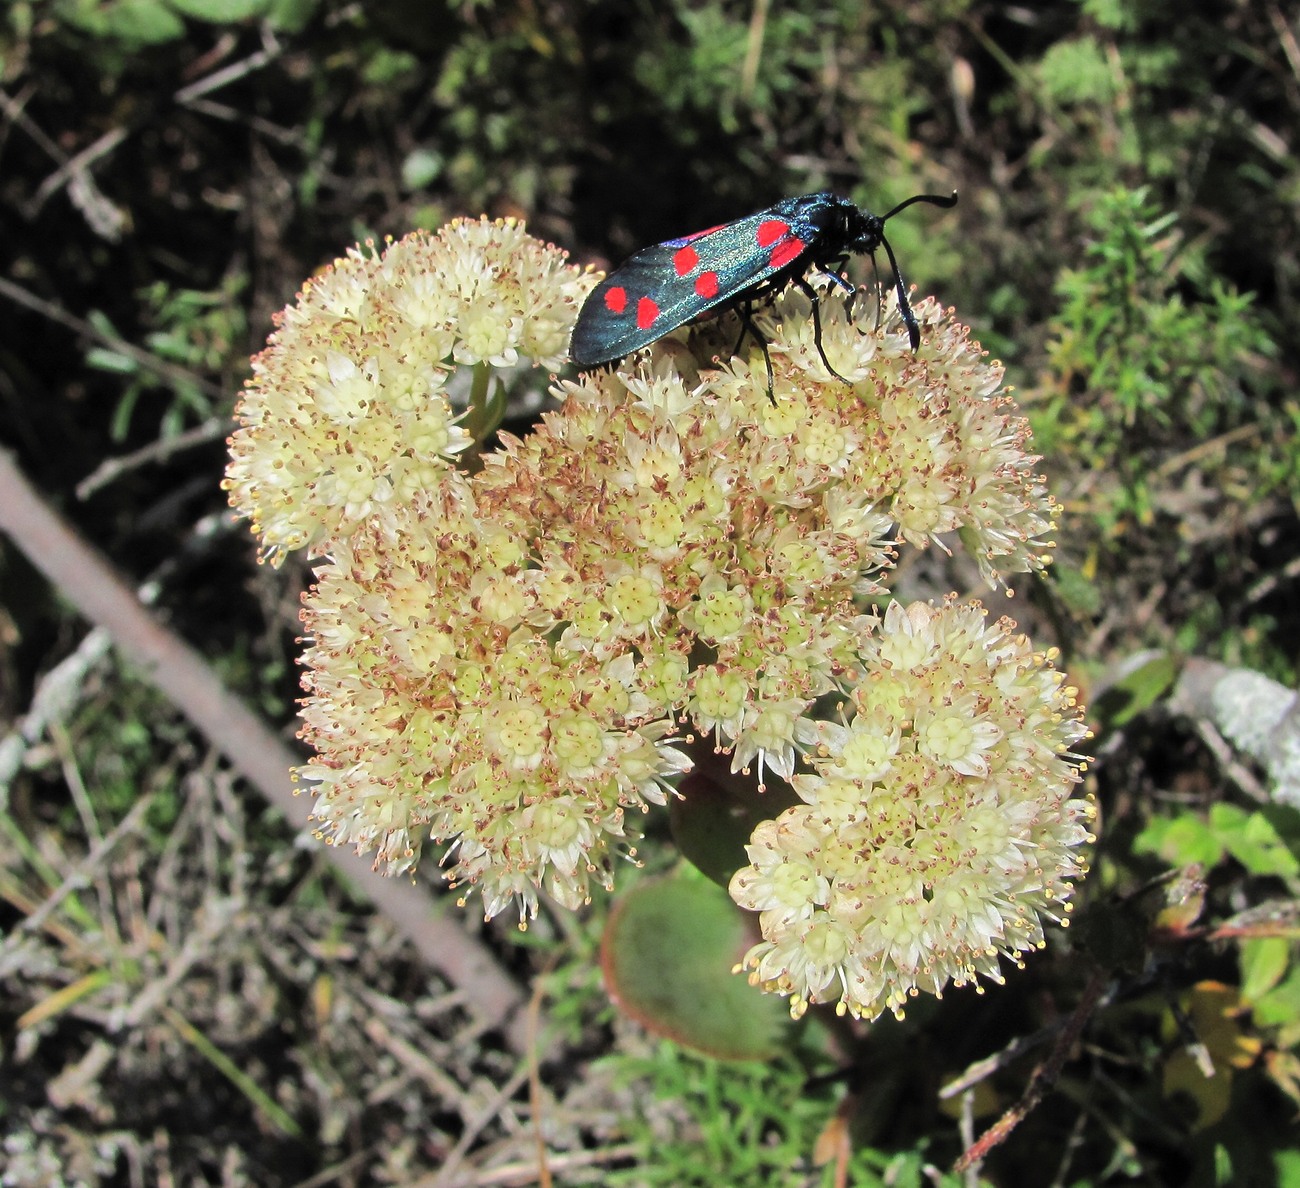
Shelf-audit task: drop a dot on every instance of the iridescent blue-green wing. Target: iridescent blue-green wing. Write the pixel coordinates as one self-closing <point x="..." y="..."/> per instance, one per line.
<point x="665" y="286"/>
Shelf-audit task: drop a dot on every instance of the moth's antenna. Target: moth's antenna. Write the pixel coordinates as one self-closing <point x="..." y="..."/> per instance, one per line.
<point x="904" y="306"/>
<point x="933" y="199"/>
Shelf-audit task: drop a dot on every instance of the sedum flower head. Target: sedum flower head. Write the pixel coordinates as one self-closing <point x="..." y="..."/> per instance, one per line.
<point x="347" y="414"/>
<point x="925" y="437"/>
<point x="438" y="708"/>
<point x="938" y="825"/>
<point x="508" y="663"/>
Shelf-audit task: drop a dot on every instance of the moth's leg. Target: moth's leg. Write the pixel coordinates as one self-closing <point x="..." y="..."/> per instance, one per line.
<point x="811" y="293"/>
<point x="744" y="312"/>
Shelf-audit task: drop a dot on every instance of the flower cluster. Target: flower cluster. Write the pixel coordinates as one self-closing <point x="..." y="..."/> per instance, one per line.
<point x="347" y="415"/>
<point x="440" y="707"/>
<point x="508" y="662"/>
<point x="937" y="825"/>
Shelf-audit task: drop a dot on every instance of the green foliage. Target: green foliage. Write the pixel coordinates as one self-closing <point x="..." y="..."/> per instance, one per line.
<point x="730" y="64"/>
<point x="121" y="742"/>
<point x="701" y="1123"/>
<point x="1265" y="844"/>
<point x="1127" y="94"/>
<point x="1288" y="1169"/>
<point x="1278" y="1007"/>
<point x="1148" y="354"/>
<point x="1076" y="71"/>
<point x="114" y="26"/>
<point x="198" y="330"/>
<point x="1112" y="14"/>
<point x="669" y="954"/>
<point x="1263" y="841"/>
<point x="485" y="137"/>
<point x="1264" y="962"/>
<point x="1145" y="682"/>
<point x="131" y="24"/>
<point x="222" y="12"/>
<point x="194" y="334"/>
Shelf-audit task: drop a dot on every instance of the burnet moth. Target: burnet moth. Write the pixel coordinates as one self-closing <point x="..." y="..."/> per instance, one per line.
<point x="667" y="285"/>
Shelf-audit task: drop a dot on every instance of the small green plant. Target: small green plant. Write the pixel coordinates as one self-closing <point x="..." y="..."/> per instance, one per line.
<point x="194" y="334"/>
<point x="1149" y="352"/>
<point x="700" y="1122"/>
<point x="1219" y="848"/>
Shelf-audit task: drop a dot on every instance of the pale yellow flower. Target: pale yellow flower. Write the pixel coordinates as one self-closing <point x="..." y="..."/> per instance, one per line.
<point x="347" y="412"/>
<point x="938" y="828"/>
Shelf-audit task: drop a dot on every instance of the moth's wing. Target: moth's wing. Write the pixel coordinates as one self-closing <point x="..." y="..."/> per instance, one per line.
<point x="664" y="286"/>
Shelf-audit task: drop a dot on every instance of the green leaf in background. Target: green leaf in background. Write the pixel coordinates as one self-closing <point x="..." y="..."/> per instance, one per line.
<point x="1263" y="962"/>
<point x="1287" y="1164"/>
<point x="221" y="12"/>
<point x="1138" y="689"/>
<point x="1280" y="1007"/>
<point x="667" y="956"/>
<point x="1180" y="841"/>
<point x="1077" y="589"/>
<point x="134" y="23"/>
<point x="1253" y="840"/>
<point x="1258" y="839"/>
<point x="290" y="16"/>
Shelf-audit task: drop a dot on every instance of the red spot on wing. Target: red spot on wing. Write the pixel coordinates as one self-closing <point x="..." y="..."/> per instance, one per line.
<point x="616" y="299"/>
<point x="685" y="259"/>
<point x="786" y="252"/>
<point x="646" y="313"/>
<point x="770" y="230"/>
<point x="706" y="284"/>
